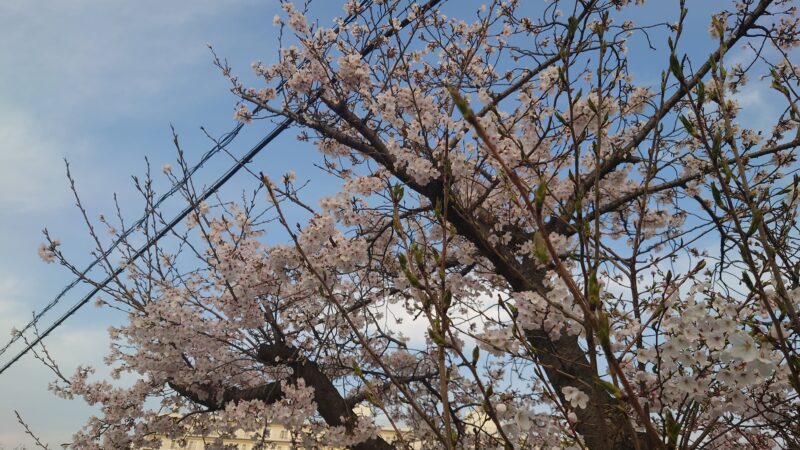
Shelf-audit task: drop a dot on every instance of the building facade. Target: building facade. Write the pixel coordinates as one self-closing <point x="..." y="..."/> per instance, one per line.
<point x="276" y="437"/>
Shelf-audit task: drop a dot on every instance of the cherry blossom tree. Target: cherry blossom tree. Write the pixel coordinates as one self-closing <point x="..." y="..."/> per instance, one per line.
<point x="598" y="261"/>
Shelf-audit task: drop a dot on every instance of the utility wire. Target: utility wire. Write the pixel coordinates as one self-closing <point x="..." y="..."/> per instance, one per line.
<point x="226" y="139"/>
<point x="186" y="211"/>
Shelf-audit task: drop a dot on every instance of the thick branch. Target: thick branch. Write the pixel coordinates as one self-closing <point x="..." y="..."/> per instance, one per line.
<point x="333" y="408"/>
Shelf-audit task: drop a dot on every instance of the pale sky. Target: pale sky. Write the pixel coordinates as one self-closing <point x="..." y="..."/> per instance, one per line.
<point x="99" y="82"/>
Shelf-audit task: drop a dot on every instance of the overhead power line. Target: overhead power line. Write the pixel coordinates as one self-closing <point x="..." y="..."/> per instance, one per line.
<point x="227" y="138"/>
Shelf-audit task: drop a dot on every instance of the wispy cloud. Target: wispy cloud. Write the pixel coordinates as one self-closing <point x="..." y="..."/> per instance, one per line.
<point x="23" y="387"/>
<point x="84" y="79"/>
<point x="31" y="170"/>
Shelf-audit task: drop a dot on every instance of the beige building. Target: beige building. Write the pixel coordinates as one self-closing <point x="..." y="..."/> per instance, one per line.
<point x="276" y="437"/>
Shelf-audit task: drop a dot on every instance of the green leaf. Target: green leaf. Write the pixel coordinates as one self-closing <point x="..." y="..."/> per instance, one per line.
<point x="747" y="281"/>
<point x="726" y="169"/>
<point x="592" y="106"/>
<point x="540" y="248"/>
<point x="717" y="197"/>
<point x="572" y="24"/>
<point x="541" y="191"/>
<point x="447" y="299"/>
<point x="700" y="265"/>
<point x="398" y="192"/>
<point x="412" y="279"/>
<point x="418" y="256"/>
<point x="476" y="353"/>
<point x="716" y="144"/>
<point x="593" y="288"/>
<point x="512" y="309"/>
<point x="436" y="337"/>
<point x="608" y="386"/>
<point x="673" y="429"/>
<point x="438" y="210"/>
<point x="675" y="66"/>
<point x="403" y="261"/>
<point x="701" y="93"/>
<point x="461" y="102"/>
<point x="754" y="224"/>
<point x="688" y="125"/>
<point x="603" y="329"/>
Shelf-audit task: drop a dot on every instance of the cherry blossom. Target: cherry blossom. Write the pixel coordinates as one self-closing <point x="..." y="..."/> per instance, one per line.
<point x="522" y="242"/>
<point x="575" y="397"/>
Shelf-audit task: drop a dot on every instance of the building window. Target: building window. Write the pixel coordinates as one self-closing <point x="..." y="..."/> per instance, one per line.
<point x="284" y="434"/>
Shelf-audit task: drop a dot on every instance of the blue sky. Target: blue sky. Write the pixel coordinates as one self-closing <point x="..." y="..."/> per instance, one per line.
<point x="99" y="82"/>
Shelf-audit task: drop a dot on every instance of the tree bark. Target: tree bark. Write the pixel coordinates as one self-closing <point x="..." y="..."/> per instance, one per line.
<point x="331" y="405"/>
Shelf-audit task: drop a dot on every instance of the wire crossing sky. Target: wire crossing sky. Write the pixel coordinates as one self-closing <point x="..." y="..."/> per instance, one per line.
<point x="221" y="144"/>
<point x="192" y="31"/>
<point x="113" y="77"/>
